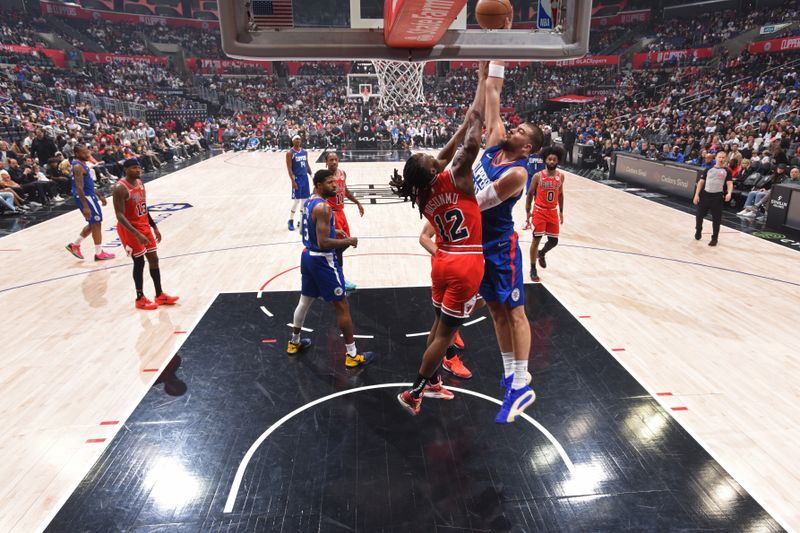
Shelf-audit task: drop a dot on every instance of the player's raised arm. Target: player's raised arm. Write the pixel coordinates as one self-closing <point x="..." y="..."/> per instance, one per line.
<point x="495" y="129"/>
<point x="478" y="105"/>
<point x="462" y="166"/>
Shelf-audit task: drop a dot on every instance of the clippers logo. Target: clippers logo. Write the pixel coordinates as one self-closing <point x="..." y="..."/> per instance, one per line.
<point x="338" y="291"/>
<point x="515" y="295"/>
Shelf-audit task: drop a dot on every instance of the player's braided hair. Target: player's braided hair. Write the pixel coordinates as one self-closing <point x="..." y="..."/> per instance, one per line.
<point x="414" y="184"/>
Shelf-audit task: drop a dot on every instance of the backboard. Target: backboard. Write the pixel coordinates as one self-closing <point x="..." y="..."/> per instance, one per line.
<point x="347" y="30"/>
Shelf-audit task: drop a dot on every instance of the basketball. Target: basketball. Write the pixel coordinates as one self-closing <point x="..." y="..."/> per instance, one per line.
<point x="492" y="14"/>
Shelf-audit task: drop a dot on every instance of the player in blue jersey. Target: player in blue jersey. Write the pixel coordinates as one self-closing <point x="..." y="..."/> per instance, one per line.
<point x="88" y="201"/>
<point x="297" y="165"/>
<point x="320" y="270"/>
<point x="500" y="176"/>
<point x="535" y="164"/>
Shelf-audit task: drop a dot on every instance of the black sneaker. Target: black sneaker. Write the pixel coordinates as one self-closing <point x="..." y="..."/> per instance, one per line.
<point x="713" y="241"/>
<point x="542" y="261"/>
<point x="698" y="235"/>
<point x="535" y="275"/>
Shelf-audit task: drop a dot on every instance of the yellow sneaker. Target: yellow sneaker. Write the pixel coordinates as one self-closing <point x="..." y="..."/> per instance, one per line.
<point x="293" y="349"/>
<point x="360" y="359"/>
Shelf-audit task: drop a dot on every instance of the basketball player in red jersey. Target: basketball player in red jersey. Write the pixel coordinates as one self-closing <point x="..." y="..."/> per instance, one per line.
<point x="136" y="230"/>
<point x="446" y="198"/>
<point x="337" y="206"/>
<point x="548" y="188"/>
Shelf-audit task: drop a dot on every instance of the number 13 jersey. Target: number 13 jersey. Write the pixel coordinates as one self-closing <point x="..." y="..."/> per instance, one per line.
<point x="136" y="205"/>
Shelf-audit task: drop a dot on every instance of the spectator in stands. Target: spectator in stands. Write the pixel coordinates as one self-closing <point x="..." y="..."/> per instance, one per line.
<point x="794" y="176"/>
<point x="568" y="137"/>
<point x="758" y="196"/>
<point x="5" y="153"/>
<point x="55" y="174"/>
<point x="23" y="193"/>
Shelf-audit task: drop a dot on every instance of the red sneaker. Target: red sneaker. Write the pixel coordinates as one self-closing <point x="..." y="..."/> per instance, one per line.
<point x="409" y="403"/>
<point x="144" y="303"/>
<point x="166" y="299"/>
<point x="437" y="390"/>
<point x="458" y="341"/>
<point x="103" y="256"/>
<point x="456" y="367"/>
<point x="75" y="250"/>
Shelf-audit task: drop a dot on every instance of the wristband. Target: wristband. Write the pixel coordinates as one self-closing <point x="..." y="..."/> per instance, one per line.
<point x="497" y="71"/>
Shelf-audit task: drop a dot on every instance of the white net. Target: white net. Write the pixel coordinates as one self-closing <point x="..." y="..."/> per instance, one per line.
<point x="400" y="83"/>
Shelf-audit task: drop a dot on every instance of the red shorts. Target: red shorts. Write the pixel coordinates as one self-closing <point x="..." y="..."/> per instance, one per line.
<point x="455" y="280"/>
<point x="131" y="244"/>
<point x="545" y="222"/>
<point x="340" y="220"/>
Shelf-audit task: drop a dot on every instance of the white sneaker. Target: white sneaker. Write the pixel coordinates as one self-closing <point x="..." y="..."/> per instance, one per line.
<point x="750" y="214"/>
<point x="59" y="199"/>
<point x="34" y="204"/>
<point x="743" y="212"/>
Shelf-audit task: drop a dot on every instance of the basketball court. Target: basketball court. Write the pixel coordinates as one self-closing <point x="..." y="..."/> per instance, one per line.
<point x="658" y="407"/>
<point x="668" y="413"/>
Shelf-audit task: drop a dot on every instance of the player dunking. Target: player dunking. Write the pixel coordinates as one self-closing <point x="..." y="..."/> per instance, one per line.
<point x="446" y="198"/>
<point x="500" y="178"/>
<point x="548" y="188"/>
<point x="320" y="271"/>
<point x="86" y="198"/>
<point x="136" y="230"/>
<point x="298" y="166"/>
<point x="337" y="205"/>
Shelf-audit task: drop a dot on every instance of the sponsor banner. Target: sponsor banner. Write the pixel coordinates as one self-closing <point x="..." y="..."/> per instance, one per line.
<point x="418" y="23"/>
<point x="588" y="61"/>
<point x="218" y="66"/>
<point x="773" y="28"/>
<point x="602" y="90"/>
<point x="91" y="57"/>
<point x="455" y="65"/>
<point x="74" y="11"/>
<point x="774" y="45"/>
<point x="669" y="178"/>
<point x="58" y="57"/>
<point x="655" y="58"/>
<point x="622" y="18"/>
<point x="574" y="99"/>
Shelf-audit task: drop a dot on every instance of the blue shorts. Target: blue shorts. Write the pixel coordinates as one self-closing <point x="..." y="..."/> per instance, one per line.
<point x="321" y="276"/>
<point x="502" y="273"/>
<point x="94" y="208"/>
<point x="302" y="191"/>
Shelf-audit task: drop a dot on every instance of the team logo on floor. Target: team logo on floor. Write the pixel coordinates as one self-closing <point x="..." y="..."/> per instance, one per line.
<point x="159" y="212"/>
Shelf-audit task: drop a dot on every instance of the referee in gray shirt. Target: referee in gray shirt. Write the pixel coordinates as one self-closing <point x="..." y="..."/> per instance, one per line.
<point x="708" y="196"/>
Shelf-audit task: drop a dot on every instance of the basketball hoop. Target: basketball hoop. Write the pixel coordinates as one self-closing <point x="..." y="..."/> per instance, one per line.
<point x="400" y="83"/>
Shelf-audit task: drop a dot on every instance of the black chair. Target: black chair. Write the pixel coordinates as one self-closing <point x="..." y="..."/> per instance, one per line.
<point x="138" y="9"/>
<point x="165" y="11"/>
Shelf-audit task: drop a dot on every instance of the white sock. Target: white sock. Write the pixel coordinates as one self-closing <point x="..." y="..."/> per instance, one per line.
<point x="351" y="349"/>
<point x="78" y="241"/>
<point x="98" y="249"/>
<point x="520" y="374"/>
<point x="295" y="338"/>
<point x="508" y="363"/>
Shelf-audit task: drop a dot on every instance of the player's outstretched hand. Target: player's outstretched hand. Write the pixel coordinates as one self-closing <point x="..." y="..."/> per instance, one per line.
<point x="157" y="234"/>
<point x="483" y="70"/>
<point x="353" y="242"/>
<point x="340" y="234"/>
<point x="507" y="25"/>
<point x="360" y="209"/>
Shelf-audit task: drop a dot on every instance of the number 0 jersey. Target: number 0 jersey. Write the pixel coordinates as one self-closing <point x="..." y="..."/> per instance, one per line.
<point x="548" y="189"/>
<point x="136" y="204"/>
<point x="455" y="215"/>
<point x="337" y="202"/>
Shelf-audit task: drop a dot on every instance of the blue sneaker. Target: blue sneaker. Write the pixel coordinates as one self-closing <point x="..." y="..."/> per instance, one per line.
<point x="506" y="382"/>
<point x="516" y="401"/>
<point x="291" y="225"/>
<point x="349" y="285"/>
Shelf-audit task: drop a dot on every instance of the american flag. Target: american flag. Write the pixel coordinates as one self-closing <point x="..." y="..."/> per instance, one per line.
<point x="272" y="13"/>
